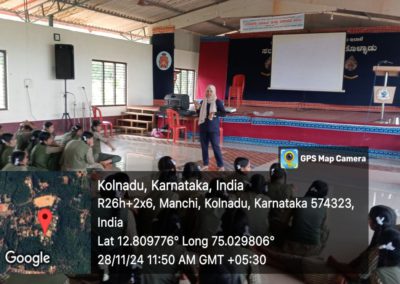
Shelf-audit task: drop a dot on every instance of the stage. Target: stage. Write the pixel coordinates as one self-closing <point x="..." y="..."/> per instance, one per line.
<point x="299" y="127"/>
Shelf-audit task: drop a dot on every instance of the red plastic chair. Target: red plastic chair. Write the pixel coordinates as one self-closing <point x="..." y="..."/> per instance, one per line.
<point x="174" y="125"/>
<point x="106" y="124"/>
<point x="237" y="89"/>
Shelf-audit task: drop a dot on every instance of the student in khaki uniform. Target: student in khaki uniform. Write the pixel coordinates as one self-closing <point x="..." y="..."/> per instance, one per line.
<point x="98" y="139"/>
<point x="33" y="141"/>
<point x="74" y="134"/>
<point x="78" y="155"/>
<point x="7" y="142"/>
<point x="308" y="233"/>
<point x="167" y="223"/>
<point x="44" y="156"/>
<point x="23" y="135"/>
<point x="277" y="189"/>
<point x="19" y="162"/>
<point x="234" y="224"/>
<point x="257" y="217"/>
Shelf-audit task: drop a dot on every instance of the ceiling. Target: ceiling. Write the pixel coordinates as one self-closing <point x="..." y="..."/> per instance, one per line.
<point x="136" y="18"/>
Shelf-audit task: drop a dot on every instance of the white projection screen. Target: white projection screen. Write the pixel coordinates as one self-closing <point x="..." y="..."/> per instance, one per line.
<point x="308" y="62"/>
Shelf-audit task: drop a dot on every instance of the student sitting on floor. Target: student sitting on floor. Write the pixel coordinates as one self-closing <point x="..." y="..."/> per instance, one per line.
<point x="19" y="162"/>
<point x="308" y="233"/>
<point x="74" y="134"/>
<point x="277" y="189"/>
<point x="380" y="218"/>
<point x="234" y="224"/>
<point x="258" y="217"/>
<point x="33" y="141"/>
<point x="98" y="138"/>
<point x="23" y="135"/>
<point x="78" y="155"/>
<point x="44" y="156"/>
<point x="242" y="168"/>
<point x="7" y="142"/>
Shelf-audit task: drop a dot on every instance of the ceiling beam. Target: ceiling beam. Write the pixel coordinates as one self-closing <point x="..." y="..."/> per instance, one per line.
<point x="100" y="10"/>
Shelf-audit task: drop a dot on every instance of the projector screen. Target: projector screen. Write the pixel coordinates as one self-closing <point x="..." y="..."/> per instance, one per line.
<point x="308" y="62"/>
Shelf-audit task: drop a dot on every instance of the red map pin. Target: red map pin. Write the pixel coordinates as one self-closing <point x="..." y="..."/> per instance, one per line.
<point x="45" y="216"/>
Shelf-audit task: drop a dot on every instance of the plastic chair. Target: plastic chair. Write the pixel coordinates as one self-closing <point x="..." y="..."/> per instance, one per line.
<point x="174" y="124"/>
<point x="237" y="89"/>
<point x="105" y="124"/>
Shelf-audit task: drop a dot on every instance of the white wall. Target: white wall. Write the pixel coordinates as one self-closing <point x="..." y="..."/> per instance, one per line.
<point x="30" y="54"/>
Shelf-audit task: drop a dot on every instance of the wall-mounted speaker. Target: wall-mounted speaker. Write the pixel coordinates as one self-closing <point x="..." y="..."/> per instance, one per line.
<point x="64" y="61"/>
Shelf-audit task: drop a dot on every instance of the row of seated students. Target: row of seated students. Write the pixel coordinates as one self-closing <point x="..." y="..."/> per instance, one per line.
<point x="76" y="150"/>
<point x="302" y="232"/>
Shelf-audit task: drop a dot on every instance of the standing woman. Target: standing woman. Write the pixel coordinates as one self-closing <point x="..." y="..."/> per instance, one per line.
<point x="211" y="109"/>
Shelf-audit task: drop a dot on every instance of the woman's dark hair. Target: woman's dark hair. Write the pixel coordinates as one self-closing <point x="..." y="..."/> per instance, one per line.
<point x="86" y="135"/>
<point x="95" y="123"/>
<point x="35" y="136"/>
<point x="235" y="223"/>
<point x="47" y="124"/>
<point x="166" y="163"/>
<point x="278" y="174"/>
<point x="44" y="136"/>
<point x="6" y="138"/>
<point x="191" y="170"/>
<point x="240" y="162"/>
<point x="381" y="217"/>
<point x="167" y="170"/>
<point x="76" y="128"/>
<point x="258" y="184"/>
<point x="389" y="248"/>
<point x="318" y="189"/>
<point x="17" y="157"/>
<point x="167" y="223"/>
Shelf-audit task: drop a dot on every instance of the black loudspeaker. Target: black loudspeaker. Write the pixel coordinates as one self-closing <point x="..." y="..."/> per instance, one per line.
<point x="64" y="61"/>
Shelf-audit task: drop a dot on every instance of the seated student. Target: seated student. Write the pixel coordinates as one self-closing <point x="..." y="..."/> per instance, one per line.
<point x="48" y="126"/>
<point x="167" y="223"/>
<point x="74" y="134"/>
<point x="277" y="189"/>
<point x="387" y="270"/>
<point x="78" y="155"/>
<point x="380" y="218"/>
<point x="7" y="142"/>
<point x="166" y="173"/>
<point x="308" y="233"/>
<point x="116" y="274"/>
<point x="257" y="217"/>
<point x="44" y="156"/>
<point x="208" y="220"/>
<point x="33" y="141"/>
<point x="234" y="224"/>
<point x="242" y="168"/>
<point x="23" y="135"/>
<point x="19" y="162"/>
<point x="98" y="138"/>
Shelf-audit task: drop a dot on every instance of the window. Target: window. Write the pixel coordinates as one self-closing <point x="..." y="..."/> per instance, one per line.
<point x="184" y="82"/>
<point x="108" y="83"/>
<point x="3" y="80"/>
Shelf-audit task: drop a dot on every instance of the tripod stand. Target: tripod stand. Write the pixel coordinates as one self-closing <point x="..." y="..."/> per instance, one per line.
<point x="65" y="117"/>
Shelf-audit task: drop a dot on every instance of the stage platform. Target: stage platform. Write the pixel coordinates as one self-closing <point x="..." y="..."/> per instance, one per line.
<point x="301" y="127"/>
